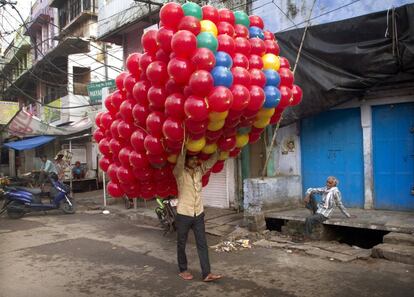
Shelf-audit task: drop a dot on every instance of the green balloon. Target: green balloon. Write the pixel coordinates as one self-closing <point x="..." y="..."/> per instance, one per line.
<point x="207" y="40"/>
<point x="193" y="9"/>
<point x="242" y="18"/>
<point x="244" y="130"/>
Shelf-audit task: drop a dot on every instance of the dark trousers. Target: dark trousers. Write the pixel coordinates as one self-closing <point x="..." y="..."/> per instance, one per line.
<point x="311" y="221"/>
<point x="312" y="204"/>
<point x="184" y="224"/>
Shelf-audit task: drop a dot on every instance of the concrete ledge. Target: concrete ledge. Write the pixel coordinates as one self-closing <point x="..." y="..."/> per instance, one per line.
<point x="394" y="252"/>
<point x="399" y="238"/>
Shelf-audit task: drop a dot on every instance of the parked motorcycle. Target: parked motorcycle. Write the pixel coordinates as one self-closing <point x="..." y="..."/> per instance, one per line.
<point x="166" y="212"/>
<point x="21" y="200"/>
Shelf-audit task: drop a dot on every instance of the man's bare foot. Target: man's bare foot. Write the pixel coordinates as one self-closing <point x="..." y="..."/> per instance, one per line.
<point x="212" y="277"/>
<point x="185" y="275"/>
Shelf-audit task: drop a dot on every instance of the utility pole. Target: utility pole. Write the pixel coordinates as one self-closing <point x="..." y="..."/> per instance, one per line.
<point x="105" y="60"/>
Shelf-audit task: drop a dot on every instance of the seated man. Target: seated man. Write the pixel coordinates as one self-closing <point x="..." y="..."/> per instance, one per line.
<point x="331" y="196"/>
<point x="78" y="171"/>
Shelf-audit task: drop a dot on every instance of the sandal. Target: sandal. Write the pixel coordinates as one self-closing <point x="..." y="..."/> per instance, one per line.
<point x="212" y="277"/>
<point x="185" y="275"/>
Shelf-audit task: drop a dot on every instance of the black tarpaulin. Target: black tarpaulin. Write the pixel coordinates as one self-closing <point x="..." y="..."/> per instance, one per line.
<point x="344" y="60"/>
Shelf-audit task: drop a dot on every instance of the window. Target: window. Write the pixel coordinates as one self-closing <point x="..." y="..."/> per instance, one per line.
<point x="81" y="78"/>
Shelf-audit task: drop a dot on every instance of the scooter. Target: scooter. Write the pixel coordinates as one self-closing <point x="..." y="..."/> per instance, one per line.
<point x="21" y="200"/>
<point x="166" y="212"/>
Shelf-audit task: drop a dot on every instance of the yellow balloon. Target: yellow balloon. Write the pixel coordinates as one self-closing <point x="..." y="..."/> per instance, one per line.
<point x="208" y="26"/>
<point x="271" y="61"/>
<point x="195" y="145"/>
<point x="223" y="156"/>
<point x="265" y="113"/>
<point x="216" y="125"/>
<point x="218" y="116"/>
<point x="172" y="159"/>
<point x="261" y="123"/>
<point x="242" y="140"/>
<point x="210" y="148"/>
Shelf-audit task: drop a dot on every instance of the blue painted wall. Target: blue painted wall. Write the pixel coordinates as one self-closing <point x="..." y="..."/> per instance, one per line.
<point x="331" y="144"/>
<point x="393" y="156"/>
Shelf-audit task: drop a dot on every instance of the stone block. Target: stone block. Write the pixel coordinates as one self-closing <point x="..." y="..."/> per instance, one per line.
<point x="255" y="222"/>
<point x="399" y="238"/>
<point x="394" y="252"/>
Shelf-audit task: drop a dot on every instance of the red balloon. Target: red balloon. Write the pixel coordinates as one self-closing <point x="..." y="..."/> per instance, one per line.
<point x="257" y="78"/>
<point x="163" y="173"/>
<point x="117" y="99"/>
<point x="148" y="190"/>
<point x="203" y="59"/>
<point x="242" y="45"/>
<point x="229" y="132"/>
<point x="250" y="115"/>
<point x="140" y="92"/>
<point x="187" y="91"/>
<point x="155" y="120"/>
<point x="138" y="159"/>
<point x="272" y="47"/>
<point x="241" y="76"/>
<point x="184" y="43"/>
<point x="235" y="152"/>
<point x="254" y="137"/>
<point x="171" y="87"/>
<point x="258" y="46"/>
<point x="218" y="167"/>
<point x="286" y="77"/>
<point x="257" y="98"/>
<point x="205" y="179"/>
<point x="240" y="60"/>
<point x="114" y="129"/>
<point x="156" y="98"/>
<point x="162" y="189"/>
<point x="284" y="63"/>
<point x="137" y="140"/>
<point x="226" y="143"/>
<point x="119" y="80"/>
<point x="126" y="110"/>
<point x="256" y="21"/>
<point x="124" y="130"/>
<point x="268" y="35"/>
<point x="226" y="15"/>
<point x="106" y="120"/>
<point x="201" y="82"/>
<point x="191" y="24"/>
<point x="195" y="126"/>
<point x="104" y="147"/>
<point x="174" y="106"/>
<point x="125" y="175"/>
<point x="149" y="41"/>
<point x="157" y="72"/>
<point x="296" y="95"/>
<point x="114" y="190"/>
<point x="98" y="135"/>
<point x="115" y="146"/>
<point x="220" y="99"/>
<point x="140" y="114"/>
<point x="275" y="118"/>
<point x="132" y="64"/>
<point x="232" y="123"/>
<point x="225" y="43"/>
<point x="196" y="108"/>
<point x="255" y="62"/>
<point x="196" y="136"/>
<point x="241" y="97"/>
<point x="241" y="31"/>
<point x="157" y="161"/>
<point x="145" y="60"/>
<point x="162" y="56"/>
<point x="153" y="145"/>
<point x="173" y="129"/>
<point x="210" y="13"/>
<point x="112" y="172"/>
<point x="285" y="97"/>
<point x="225" y="28"/>
<point x="171" y="14"/>
<point x="104" y="163"/>
<point x="131" y="190"/>
<point x="124" y="156"/>
<point x="109" y="106"/>
<point x="143" y="173"/>
<point x="173" y="147"/>
<point x="164" y="36"/>
<point x="213" y="136"/>
<point x="180" y="69"/>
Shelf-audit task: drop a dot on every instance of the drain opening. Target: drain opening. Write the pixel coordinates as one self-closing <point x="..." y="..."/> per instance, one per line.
<point x="363" y="238"/>
<point x="274" y="224"/>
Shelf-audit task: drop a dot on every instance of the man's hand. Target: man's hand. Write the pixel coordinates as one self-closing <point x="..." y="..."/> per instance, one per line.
<point x="306" y="199"/>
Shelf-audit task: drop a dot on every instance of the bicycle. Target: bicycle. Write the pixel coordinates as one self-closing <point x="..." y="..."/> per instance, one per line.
<point x="166" y="212"/>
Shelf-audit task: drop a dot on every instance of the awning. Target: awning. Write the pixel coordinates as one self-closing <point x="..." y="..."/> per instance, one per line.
<point x="30" y="143"/>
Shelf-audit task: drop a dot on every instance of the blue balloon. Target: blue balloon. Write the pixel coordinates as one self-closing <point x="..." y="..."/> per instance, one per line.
<point x="272" y="77"/>
<point x="256" y="32"/>
<point x="222" y="76"/>
<point x="272" y="95"/>
<point x="223" y="59"/>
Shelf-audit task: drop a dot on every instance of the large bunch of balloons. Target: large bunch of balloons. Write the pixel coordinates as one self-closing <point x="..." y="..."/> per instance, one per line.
<point x="209" y="79"/>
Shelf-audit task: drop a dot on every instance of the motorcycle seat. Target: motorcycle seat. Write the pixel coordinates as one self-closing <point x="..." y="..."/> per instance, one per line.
<point x="30" y="190"/>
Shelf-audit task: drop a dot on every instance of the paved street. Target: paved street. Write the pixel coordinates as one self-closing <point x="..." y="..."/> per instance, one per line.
<point x="90" y="254"/>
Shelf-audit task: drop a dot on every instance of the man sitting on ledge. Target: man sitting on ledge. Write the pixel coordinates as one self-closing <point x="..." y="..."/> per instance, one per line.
<point x="331" y="196"/>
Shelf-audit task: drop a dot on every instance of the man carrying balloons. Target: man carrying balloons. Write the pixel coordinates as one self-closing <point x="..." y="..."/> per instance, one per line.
<point x="190" y="212"/>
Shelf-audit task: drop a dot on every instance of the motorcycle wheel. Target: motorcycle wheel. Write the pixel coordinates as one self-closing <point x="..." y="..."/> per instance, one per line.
<point x="15" y="210"/>
<point x="66" y="208"/>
